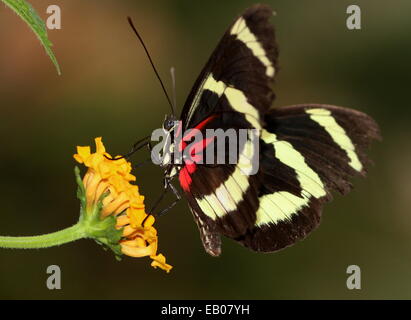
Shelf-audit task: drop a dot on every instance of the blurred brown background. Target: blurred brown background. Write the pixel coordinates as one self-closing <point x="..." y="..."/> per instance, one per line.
<point x="108" y="89"/>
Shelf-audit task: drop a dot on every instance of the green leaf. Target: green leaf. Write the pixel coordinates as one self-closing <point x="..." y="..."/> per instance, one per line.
<point x="29" y="15"/>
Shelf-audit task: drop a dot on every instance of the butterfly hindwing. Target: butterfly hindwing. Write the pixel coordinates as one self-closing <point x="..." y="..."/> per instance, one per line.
<point x="323" y="147"/>
<point x="332" y="139"/>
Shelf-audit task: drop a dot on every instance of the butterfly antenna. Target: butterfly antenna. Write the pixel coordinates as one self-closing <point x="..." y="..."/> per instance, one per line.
<point x="151" y="62"/>
<point x="173" y="81"/>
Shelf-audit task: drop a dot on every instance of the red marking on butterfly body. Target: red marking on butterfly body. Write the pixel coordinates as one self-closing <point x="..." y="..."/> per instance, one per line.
<point x="190" y="165"/>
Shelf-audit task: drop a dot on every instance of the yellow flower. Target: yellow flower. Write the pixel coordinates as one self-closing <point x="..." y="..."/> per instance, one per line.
<point x="110" y="180"/>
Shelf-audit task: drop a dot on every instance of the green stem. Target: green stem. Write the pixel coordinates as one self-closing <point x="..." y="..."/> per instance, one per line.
<point x="70" y="234"/>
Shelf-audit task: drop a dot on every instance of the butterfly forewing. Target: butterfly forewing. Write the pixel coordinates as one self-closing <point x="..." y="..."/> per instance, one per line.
<point x="235" y="85"/>
<point x="245" y="59"/>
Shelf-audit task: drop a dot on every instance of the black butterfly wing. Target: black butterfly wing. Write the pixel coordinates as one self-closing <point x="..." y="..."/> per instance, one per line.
<point x="216" y="211"/>
<point x="304" y="151"/>
<point x="315" y="149"/>
<point x="234" y="86"/>
<point x="245" y="59"/>
<point x="223" y="199"/>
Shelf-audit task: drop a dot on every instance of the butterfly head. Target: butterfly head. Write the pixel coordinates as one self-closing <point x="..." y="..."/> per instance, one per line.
<point x="170" y="123"/>
<point x="170" y="126"/>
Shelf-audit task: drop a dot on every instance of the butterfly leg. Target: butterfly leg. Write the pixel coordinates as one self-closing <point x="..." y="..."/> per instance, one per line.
<point x="168" y="186"/>
<point x="142" y="163"/>
<point x="145" y="142"/>
<point x="178" y="198"/>
<point x="160" y="198"/>
<point x="137" y="146"/>
<point x="165" y="210"/>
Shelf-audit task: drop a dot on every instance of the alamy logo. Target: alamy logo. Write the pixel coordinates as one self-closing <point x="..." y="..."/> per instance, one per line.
<point x="354" y="280"/>
<point x="54" y="19"/>
<point x="354" y="19"/>
<point x="210" y="146"/>
<point x="54" y="279"/>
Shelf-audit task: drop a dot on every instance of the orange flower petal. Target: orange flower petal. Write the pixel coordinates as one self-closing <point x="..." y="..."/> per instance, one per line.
<point x="137" y="252"/>
<point x="114" y="176"/>
<point x="99" y="145"/>
<point x="83" y="153"/>
<point x="160" y="261"/>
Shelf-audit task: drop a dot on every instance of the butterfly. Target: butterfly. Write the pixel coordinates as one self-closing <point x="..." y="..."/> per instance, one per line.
<point x="304" y="152"/>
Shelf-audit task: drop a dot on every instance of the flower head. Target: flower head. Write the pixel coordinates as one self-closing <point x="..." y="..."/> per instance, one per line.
<point x="107" y="192"/>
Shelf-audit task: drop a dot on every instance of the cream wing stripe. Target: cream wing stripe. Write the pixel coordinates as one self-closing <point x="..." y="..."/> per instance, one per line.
<point x="325" y="119"/>
<point x="230" y="192"/>
<point x="278" y="206"/>
<point x="244" y="34"/>
<point x="212" y="206"/>
<point x="282" y="205"/>
<point x="236" y="98"/>
<point x="208" y="83"/>
<point x="238" y="101"/>
<point x="207" y="208"/>
<point x="285" y="152"/>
